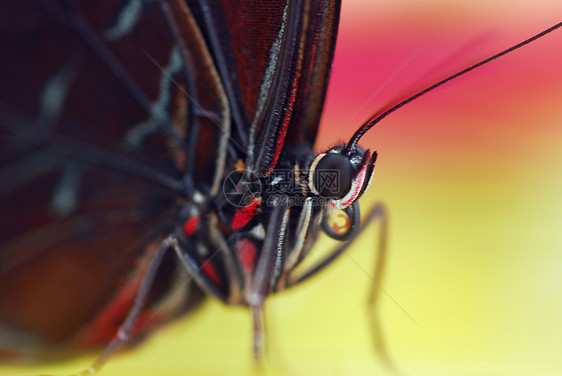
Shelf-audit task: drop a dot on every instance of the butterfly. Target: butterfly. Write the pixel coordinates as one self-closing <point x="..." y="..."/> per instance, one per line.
<point x="217" y="106"/>
<point x="149" y="142"/>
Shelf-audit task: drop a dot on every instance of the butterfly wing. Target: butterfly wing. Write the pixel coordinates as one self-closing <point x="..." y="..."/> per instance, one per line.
<point x="274" y="58"/>
<point x="107" y="111"/>
<point x="96" y="101"/>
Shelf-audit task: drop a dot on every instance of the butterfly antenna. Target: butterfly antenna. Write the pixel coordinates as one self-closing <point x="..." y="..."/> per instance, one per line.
<point x="377" y="117"/>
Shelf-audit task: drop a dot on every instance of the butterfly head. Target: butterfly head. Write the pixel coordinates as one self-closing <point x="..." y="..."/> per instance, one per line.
<point x="341" y="174"/>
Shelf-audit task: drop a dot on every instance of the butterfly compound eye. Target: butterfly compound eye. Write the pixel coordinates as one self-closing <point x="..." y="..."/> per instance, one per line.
<point x="333" y="175"/>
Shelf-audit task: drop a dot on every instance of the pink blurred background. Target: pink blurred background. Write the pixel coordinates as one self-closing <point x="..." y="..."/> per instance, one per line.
<point x="471" y="175"/>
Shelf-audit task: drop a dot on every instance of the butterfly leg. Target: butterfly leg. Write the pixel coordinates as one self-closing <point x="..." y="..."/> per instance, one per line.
<point x="271" y="262"/>
<point x="259" y="331"/>
<point x="379" y="343"/>
<point x="128" y="325"/>
<point x="378" y="214"/>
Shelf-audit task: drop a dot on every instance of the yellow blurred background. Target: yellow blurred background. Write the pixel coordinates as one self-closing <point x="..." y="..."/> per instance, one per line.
<point x="471" y="177"/>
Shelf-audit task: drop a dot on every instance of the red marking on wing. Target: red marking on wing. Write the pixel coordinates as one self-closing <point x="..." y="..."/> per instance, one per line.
<point x="209" y="270"/>
<point x="191" y="225"/>
<point x="282" y="133"/>
<point x="244" y="215"/>
<point x="105" y="326"/>
<point x="246" y="251"/>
